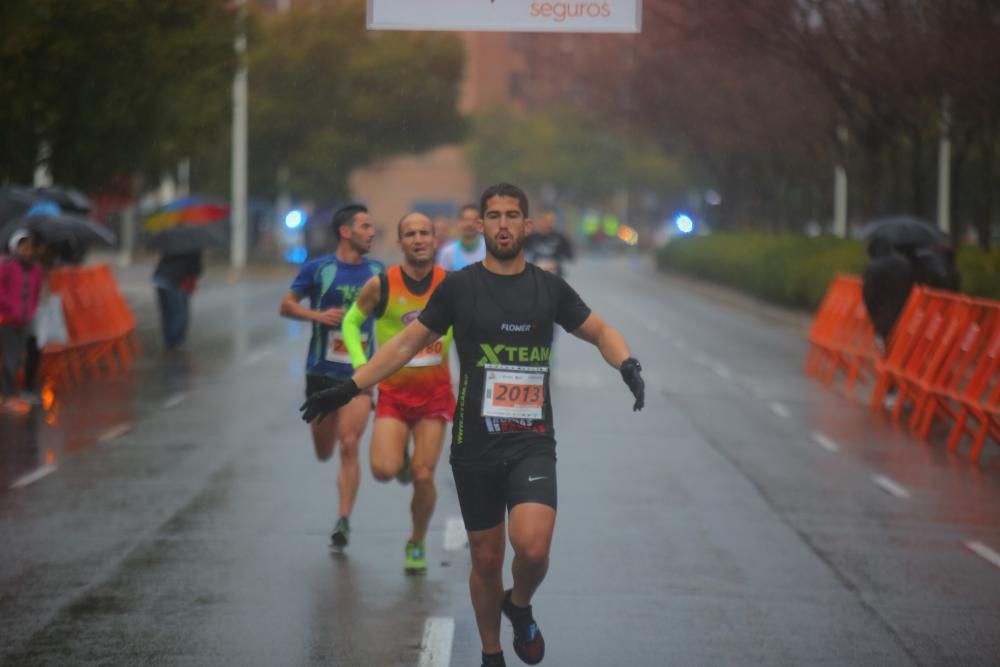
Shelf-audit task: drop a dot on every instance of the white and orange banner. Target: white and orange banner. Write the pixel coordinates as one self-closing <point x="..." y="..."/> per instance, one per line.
<point x="507" y="15"/>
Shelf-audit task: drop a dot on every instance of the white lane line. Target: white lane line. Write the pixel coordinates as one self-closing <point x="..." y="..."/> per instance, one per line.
<point x="435" y="647"/>
<point x="455" y="537"/>
<point x="890" y="486"/>
<point x="983" y="552"/>
<point x="781" y="410"/>
<point x="33" y="476"/>
<point x="116" y="431"/>
<point x="174" y="401"/>
<point x="825" y="442"/>
<point x="256" y="357"/>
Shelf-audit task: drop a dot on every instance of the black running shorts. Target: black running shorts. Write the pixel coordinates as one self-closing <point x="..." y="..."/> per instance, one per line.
<point x="484" y="495"/>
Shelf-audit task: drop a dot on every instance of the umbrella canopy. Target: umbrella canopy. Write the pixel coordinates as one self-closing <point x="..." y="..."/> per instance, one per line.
<point x="186" y="238"/>
<point x="68" y="199"/>
<point x="59" y="228"/>
<point x="902" y="230"/>
<point x="185" y="211"/>
<point x="15" y="202"/>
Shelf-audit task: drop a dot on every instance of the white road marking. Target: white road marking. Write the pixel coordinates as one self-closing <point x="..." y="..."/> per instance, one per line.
<point x="256" y="357"/>
<point x="174" y="401"/>
<point x="983" y="552"/>
<point x="890" y="486"/>
<point x="825" y="442"/>
<point x="33" y="476"/>
<point x="455" y="537"/>
<point x="781" y="410"/>
<point x="435" y="647"/>
<point x="116" y="431"/>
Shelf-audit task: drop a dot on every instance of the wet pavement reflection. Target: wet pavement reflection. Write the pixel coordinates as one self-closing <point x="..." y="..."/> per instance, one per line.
<point x="187" y="520"/>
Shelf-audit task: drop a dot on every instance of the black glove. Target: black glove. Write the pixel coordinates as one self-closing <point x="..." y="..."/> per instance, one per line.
<point x="631" y="373"/>
<point x="324" y="402"/>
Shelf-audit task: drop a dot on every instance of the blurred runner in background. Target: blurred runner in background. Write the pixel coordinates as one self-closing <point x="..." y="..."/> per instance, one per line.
<point x="331" y="284"/>
<point x="469" y="247"/>
<point x="547" y="247"/>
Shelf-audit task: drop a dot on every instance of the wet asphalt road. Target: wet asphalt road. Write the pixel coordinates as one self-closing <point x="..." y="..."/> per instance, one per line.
<point x="183" y="519"/>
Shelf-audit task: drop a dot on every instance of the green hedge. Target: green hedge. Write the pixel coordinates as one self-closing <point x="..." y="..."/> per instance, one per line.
<point x="794" y="270"/>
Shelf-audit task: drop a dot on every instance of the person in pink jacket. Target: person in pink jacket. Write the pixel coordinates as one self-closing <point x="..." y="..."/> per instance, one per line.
<point x="20" y="287"/>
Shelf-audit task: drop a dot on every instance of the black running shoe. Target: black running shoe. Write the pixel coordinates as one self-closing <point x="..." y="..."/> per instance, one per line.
<point x="529" y="645"/>
<point x="341" y="532"/>
<point x="494" y="660"/>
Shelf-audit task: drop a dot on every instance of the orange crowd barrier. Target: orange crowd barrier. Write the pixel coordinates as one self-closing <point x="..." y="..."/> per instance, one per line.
<point x="841" y="337"/>
<point x="99" y="324"/>
<point x="942" y="362"/>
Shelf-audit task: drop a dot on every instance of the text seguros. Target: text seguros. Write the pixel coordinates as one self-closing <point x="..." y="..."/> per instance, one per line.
<point x="560" y="11"/>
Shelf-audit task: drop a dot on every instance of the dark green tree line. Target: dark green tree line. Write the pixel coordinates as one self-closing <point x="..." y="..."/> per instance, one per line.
<point x="110" y="88"/>
<point x="327" y="96"/>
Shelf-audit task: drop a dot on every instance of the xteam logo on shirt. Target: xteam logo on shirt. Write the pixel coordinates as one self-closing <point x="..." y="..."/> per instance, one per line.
<point x="513" y="354"/>
<point x="516" y="328"/>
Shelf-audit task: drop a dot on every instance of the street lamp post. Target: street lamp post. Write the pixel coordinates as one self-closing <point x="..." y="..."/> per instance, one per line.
<point x="840" y="185"/>
<point x="238" y="189"/>
<point x="944" y="168"/>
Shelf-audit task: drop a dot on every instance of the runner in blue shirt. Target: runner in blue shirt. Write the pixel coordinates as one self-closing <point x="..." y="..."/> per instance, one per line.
<point x="331" y="284"/>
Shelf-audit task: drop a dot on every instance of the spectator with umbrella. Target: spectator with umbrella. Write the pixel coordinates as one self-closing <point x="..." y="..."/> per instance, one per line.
<point x="20" y="288"/>
<point x="180" y="232"/>
<point x="904" y="252"/>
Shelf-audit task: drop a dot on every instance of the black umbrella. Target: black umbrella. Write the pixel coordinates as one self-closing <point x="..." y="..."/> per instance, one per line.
<point x="902" y="230"/>
<point x="15" y="202"/>
<point x="68" y="199"/>
<point x="60" y="228"/>
<point x="186" y="238"/>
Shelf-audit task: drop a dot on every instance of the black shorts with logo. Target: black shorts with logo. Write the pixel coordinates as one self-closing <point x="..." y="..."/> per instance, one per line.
<point x="484" y="495"/>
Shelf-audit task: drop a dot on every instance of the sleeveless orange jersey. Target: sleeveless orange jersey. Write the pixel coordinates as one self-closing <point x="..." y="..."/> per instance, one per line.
<point x="428" y="370"/>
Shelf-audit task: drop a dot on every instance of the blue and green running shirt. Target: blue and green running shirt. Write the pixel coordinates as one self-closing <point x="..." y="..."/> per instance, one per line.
<point x="331" y="283"/>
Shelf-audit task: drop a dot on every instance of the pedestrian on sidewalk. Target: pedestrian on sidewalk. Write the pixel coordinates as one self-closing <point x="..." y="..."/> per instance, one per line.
<point x="893" y="272"/>
<point x="176" y="277"/>
<point x="20" y="287"/>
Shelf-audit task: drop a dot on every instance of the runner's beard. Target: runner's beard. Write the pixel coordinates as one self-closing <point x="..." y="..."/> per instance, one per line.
<point x="510" y="252"/>
<point x="360" y="247"/>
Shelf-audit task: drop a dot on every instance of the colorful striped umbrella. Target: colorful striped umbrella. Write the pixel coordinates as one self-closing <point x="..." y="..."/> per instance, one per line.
<point x="185" y="211"/>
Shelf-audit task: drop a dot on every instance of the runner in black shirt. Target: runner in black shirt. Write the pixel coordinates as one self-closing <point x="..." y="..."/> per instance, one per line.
<point x="547" y="247"/>
<point x="503" y="311"/>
